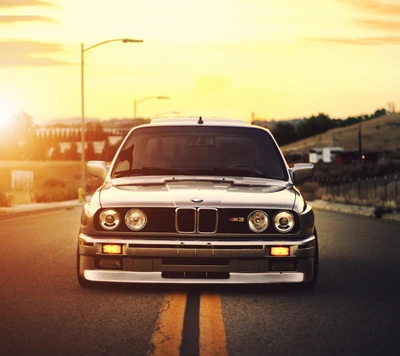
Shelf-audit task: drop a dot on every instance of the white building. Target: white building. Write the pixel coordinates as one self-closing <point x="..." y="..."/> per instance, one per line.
<point x="323" y="154"/>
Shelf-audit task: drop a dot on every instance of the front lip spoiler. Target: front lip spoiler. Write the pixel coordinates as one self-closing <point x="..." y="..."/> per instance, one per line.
<point x="155" y="277"/>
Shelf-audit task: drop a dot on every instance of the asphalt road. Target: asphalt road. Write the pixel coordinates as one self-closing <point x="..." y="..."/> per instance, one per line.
<point x="354" y="310"/>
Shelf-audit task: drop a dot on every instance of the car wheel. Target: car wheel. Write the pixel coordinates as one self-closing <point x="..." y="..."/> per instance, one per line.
<point x="311" y="284"/>
<point x="82" y="280"/>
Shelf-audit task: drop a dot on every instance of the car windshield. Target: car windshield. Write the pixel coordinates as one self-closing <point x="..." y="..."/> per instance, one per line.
<point x="200" y="150"/>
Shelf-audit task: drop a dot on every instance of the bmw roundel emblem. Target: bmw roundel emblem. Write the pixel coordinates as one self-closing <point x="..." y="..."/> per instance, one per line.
<point x="197" y="200"/>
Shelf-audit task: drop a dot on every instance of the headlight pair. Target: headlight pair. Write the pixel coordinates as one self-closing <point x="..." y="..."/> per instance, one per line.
<point x="135" y="219"/>
<point x="258" y="221"/>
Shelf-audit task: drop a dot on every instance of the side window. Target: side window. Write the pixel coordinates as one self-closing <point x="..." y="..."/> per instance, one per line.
<point x="272" y="163"/>
<point x="125" y="159"/>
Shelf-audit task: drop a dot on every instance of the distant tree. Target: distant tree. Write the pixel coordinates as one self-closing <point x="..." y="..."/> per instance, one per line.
<point x="98" y="132"/>
<point x="90" y="153"/>
<point x="314" y="126"/>
<point x="78" y="135"/>
<point x="71" y="154"/>
<point x="34" y="148"/>
<point x="57" y="135"/>
<point x="63" y="134"/>
<point x="55" y="152"/>
<point x="284" y="133"/>
<point x="108" y="151"/>
<point x="391" y="107"/>
<point x="379" y="113"/>
<point x="351" y="120"/>
<point x="23" y="123"/>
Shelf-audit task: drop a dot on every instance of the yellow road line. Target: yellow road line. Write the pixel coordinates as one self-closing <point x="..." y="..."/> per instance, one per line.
<point x="167" y="335"/>
<point x="212" y="331"/>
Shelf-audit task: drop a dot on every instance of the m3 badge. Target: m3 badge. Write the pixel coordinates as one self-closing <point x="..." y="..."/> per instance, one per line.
<point x="236" y="219"/>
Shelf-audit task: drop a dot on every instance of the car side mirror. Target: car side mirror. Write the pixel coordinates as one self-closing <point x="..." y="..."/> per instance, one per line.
<point x="301" y="171"/>
<point x="98" y="169"/>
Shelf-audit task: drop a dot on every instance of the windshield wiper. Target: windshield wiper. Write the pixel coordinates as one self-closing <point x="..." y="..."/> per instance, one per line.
<point x="238" y="172"/>
<point x="144" y="171"/>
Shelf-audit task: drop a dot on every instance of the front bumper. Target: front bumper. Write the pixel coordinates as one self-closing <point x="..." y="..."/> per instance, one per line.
<point x="199" y="262"/>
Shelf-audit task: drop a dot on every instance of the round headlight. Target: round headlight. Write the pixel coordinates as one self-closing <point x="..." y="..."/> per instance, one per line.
<point x="109" y="219"/>
<point x="284" y="221"/>
<point x="258" y="221"/>
<point x="135" y="219"/>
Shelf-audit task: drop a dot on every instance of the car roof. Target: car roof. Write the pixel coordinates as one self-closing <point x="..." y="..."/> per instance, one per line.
<point x="198" y="120"/>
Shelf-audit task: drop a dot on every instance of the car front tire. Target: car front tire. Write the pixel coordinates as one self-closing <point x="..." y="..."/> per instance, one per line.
<point x="311" y="284"/>
<point x="82" y="280"/>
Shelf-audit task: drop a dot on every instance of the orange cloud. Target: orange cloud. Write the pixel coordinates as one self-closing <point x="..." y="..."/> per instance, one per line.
<point x="21" y="53"/>
<point x="366" y="41"/>
<point x="376" y="7"/>
<point x="20" y="3"/>
<point x="380" y="24"/>
<point x="12" y="19"/>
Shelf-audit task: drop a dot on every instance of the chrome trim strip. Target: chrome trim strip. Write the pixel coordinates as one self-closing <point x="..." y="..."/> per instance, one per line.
<point x="206" y="243"/>
<point x="155" y="277"/>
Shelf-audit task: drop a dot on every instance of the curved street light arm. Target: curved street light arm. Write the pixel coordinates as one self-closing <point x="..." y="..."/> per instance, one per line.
<point x="123" y="40"/>
<point x="152" y="97"/>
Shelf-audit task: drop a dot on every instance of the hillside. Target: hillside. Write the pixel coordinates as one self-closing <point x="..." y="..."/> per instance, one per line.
<point x="382" y="133"/>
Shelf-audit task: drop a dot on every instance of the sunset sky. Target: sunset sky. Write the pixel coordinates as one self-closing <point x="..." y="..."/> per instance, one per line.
<point x="280" y="59"/>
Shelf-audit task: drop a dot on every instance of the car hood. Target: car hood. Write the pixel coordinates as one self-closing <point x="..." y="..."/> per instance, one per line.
<point x="189" y="192"/>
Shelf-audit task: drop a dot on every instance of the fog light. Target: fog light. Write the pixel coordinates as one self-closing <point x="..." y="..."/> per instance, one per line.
<point x="280" y="251"/>
<point x="109" y="263"/>
<point x="112" y="249"/>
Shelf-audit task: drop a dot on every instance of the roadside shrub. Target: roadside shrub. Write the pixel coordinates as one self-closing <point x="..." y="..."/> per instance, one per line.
<point x="92" y="184"/>
<point x="53" y="183"/>
<point x="310" y="190"/>
<point x="392" y="205"/>
<point x="380" y="210"/>
<point x="51" y="190"/>
<point x="5" y="199"/>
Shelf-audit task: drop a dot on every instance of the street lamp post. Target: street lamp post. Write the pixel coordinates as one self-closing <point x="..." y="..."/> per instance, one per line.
<point x="135" y="102"/>
<point x="83" y="50"/>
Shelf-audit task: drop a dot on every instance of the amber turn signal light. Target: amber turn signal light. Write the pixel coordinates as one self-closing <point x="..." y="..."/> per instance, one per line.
<point x="280" y="251"/>
<point x="112" y="249"/>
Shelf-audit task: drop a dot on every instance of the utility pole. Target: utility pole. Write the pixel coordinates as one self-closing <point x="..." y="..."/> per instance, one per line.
<point x="360" y="143"/>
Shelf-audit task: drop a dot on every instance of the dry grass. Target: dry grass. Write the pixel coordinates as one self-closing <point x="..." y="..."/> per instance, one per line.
<point x="378" y="134"/>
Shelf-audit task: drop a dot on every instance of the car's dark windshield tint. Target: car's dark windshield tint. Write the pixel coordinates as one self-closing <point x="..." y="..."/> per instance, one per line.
<point x="200" y="150"/>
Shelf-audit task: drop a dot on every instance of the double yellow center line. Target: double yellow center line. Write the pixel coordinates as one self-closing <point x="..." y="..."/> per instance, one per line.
<point x="173" y="318"/>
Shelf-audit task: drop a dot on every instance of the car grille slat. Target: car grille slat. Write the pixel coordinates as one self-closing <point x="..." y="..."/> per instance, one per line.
<point x="185" y="220"/>
<point x="207" y="220"/>
<point x="192" y="220"/>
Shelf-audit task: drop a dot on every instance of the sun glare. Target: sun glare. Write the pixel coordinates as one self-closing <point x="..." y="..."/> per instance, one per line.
<point x="7" y="110"/>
